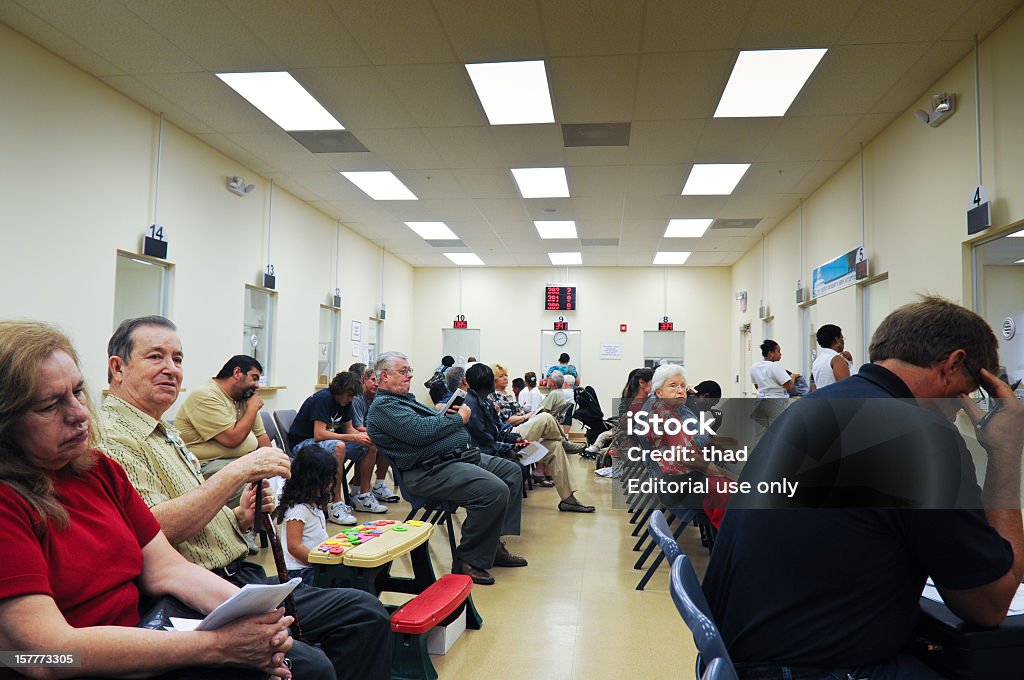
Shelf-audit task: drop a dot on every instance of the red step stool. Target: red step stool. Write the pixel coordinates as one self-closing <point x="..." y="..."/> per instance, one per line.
<point x="441" y="603"/>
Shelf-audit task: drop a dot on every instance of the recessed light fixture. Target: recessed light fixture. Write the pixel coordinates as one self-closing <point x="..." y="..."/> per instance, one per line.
<point x="714" y="179"/>
<point x="281" y="99"/>
<point x="566" y="258"/>
<point x="765" y="82"/>
<point x="661" y="257"/>
<point x="464" y="259"/>
<point x="687" y="228"/>
<point x="556" y="228"/>
<point x="380" y="185"/>
<point x="1017" y="234"/>
<point x="541" y="182"/>
<point x="433" y="231"/>
<point x="513" y="92"/>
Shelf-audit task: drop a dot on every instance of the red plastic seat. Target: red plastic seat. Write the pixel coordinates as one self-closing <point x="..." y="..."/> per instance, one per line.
<point x="433" y="605"/>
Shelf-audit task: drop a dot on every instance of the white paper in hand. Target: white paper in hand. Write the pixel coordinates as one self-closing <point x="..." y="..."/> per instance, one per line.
<point x="249" y="600"/>
<point x="530" y="454"/>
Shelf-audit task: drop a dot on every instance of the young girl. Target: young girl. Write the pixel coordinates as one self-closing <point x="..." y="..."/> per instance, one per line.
<point x="303" y="500"/>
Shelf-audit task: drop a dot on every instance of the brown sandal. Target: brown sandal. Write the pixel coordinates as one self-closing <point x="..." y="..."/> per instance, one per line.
<point x="574" y="506"/>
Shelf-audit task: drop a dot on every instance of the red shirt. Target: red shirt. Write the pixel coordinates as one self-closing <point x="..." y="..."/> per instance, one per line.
<point x="88" y="568"/>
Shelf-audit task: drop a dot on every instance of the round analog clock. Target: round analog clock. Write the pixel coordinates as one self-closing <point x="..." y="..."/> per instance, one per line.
<point x="560" y="338"/>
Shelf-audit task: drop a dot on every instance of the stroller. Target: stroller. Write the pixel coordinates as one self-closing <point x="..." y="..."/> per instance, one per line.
<point x="588" y="411"/>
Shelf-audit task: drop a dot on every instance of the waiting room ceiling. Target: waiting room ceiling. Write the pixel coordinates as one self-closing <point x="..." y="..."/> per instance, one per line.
<point x="393" y="72"/>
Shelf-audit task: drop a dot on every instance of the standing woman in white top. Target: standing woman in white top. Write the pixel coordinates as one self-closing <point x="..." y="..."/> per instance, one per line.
<point x="833" y="362"/>
<point x="770" y="378"/>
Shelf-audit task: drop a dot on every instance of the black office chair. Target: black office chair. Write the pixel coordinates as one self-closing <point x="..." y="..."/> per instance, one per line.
<point x="284" y="419"/>
<point x="271" y="427"/>
<point x="693" y="607"/>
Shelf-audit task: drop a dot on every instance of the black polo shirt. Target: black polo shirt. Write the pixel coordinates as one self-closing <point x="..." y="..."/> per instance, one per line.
<point x="838" y="585"/>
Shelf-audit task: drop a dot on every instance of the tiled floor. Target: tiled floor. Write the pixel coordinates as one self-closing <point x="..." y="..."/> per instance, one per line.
<point x="573" y="613"/>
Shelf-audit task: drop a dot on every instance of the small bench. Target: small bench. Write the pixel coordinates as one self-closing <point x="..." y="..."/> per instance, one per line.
<point x="440" y="604"/>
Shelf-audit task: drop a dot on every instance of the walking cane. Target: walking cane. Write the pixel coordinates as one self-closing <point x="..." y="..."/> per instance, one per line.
<point x="267" y="520"/>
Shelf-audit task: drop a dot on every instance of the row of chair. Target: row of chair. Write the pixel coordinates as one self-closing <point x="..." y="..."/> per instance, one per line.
<point x="692" y="605"/>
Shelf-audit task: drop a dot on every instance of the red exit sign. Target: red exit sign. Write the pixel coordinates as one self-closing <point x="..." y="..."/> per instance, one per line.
<point x="561" y="325"/>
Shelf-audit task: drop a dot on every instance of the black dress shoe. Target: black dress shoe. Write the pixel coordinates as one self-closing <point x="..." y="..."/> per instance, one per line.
<point x="503" y="558"/>
<point x="481" y="577"/>
<point x="574" y="506"/>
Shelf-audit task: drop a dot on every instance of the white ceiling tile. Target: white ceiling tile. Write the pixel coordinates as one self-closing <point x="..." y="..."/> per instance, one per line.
<point x="588" y="27"/>
<point x="520" y="36"/>
<point x="681" y="85"/>
<point x="530" y="146"/>
<point x="673" y="26"/>
<point x="656" y="180"/>
<point x="357" y="96"/>
<point x="805" y="138"/>
<point x="501" y="210"/>
<point x="465" y="147"/>
<point x="882" y="21"/>
<point x="734" y="140"/>
<point x="593" y="89"/>
<point x="55" y="40"/>
<point x="939" y="59"/>
<point x="130" y="87"/>
<point x="605" y="180"/>
<point x="664" y="141"/>
<point x="304" y="34"/>
<point x="401" y="148"/>
<point x="204" y="96"/>
<point x="489" y="183"/>
<point x="430" y="184"/>
<point x="396" y="31"/>
<point x="980" y="19"/>
<point x="435" y="95"/>
<point x="279" y="149"/>
<point x="796" y="23"/>
<point x="782" y="178"/>
<point x="237" y="153"/>
<point x="760" y="205"/>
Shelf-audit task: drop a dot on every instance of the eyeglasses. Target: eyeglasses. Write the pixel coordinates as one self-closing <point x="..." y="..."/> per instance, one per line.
<point x="404" y="371"/>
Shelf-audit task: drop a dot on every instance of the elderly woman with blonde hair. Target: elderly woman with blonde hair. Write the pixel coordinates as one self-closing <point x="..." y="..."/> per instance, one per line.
<point x="80" y="545"/>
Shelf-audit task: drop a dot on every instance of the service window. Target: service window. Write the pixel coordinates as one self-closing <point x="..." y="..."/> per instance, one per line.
<point x="140" y="287"/>
<point x="258" y="328"/>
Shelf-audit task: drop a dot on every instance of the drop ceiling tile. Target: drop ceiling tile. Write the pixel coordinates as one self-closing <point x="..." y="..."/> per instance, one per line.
<point x="592" y="208"/>
<point x="357" y="96"/>
<point x="205" y="97"/>
<point x="759" y="205"/>
<point x="881" y="21"/>
<point x="237" y="153"/>
<point x="551" y="208"/>
<point x="516" y="35"/>
<point x="868" y="70"/>
<point x="116" y="34"/>
<point x="767" y="178"/>
<point x="590" y="27"/>
<point x="682" y="84"/>
<point x="530" y="146"/>
<point x="665" y="207"/>
<point x="496" y="210"/>
<point x="656" y="180"/>
<point x="432" y="183"/>
<point x="302" y="34"/>
<point x="599" y="180"/>
<point x="486" y="183"/>
<point x="295" y="184"/>
<point x="817" y="176"/>
<point x="734" y="140"/>
<point x="796" y="23"/>
<point x="280" y="150"/>
<point x="433" y="210"/>
<point x="324" y="185"/>
<point x="465" y="147"/>
<point x="805" y="138"/>
<point x="130" y="87"/>
<point x="396" y="31"/>
<point x="435" y="95"/>
<point x="593" y="89"/>
<point x="405" y="148"/>
<point x="981" y="18"/>
<point x="55" y="40"/>
<point x="672" y="26"/>
<point x="664" y="141"/>
<point x="866" y="129"/>
<point x="938" y="60"/>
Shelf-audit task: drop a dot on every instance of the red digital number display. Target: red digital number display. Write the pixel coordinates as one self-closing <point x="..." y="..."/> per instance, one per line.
<point x="460" y="324"/>
<point x="561" y="325"/>
<point x="559" y="298"/>
<point x="665" y="325"/>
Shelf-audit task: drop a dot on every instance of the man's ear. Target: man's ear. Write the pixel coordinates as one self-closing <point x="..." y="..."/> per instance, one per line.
<point x="115" y="365"/>
<point x="237" y="373"/>
<point x="954" y="363"/>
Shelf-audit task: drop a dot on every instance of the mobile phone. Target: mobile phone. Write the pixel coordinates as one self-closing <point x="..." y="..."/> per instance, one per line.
<point x="455" y="401"/>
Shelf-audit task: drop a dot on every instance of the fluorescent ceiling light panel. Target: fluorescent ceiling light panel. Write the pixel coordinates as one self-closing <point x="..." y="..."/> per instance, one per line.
<point x="464" y="259"/>
<point x="670" y="258"/>
<point x="513" y="92"/>
<point x="1017" y="234"/>
<point x="282" y="100"/>
<point x="541" y="182"/>
<point x="433" y="231"/>
<point x="765" y="82"/>
<point x="556" y="228"/>
<point x="714" y="179"/>
<point x="566" y="258"/>
<point x="380" y="185"/>
<point x="687" y="228"/>
<point x="1019" y="261"/>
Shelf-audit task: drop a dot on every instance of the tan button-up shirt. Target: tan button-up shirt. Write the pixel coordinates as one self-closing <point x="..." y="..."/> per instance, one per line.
<point x="162" y="468"/>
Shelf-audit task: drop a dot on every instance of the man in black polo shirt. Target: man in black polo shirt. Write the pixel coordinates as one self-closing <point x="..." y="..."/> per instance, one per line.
<point x="826" y="584"/>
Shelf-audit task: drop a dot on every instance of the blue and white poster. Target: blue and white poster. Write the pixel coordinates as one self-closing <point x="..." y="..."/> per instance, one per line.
<point x="839" y="272"/>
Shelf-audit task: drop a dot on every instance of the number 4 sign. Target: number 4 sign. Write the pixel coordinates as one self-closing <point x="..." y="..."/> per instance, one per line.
<point x="979" y="210"/>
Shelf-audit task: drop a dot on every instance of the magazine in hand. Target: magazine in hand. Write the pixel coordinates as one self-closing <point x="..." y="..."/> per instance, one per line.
<point x="252" y="598"/>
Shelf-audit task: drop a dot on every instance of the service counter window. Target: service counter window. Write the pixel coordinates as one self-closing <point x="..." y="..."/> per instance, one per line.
<point x="258" y="328"/>
<point x="140" y="287"/>
<point x="328" y="344"/>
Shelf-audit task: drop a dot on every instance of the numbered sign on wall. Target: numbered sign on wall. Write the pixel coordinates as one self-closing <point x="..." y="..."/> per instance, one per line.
<point x="270" y="277"/>
<point x="460" y="322"/>
<point x="154" y="241"/>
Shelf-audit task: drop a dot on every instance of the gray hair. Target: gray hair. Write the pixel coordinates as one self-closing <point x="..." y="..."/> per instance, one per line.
<point x="664" y="372"/>
<point x="121" y="343"/>
<point x="570" y="380"/>
<point x="557" y="378"/>
<point x="453" y="377"/>
<point x="386" y="362"/>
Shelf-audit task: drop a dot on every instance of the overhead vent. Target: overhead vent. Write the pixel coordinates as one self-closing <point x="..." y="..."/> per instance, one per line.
<point x="747" y="223"/>
<point x="595" y="134"/>
<point x="328" y="141"/>
<point x="446" y="243"/>
<point x="599" y="241"/>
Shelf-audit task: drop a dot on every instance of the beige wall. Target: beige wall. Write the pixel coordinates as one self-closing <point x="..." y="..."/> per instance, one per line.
<point x="76" y="183"/>
<point x="506" y="304"/>
<point x="917" y="181"/>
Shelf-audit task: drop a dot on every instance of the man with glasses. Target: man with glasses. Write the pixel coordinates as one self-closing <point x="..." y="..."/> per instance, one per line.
<point x="434" y="457"/>
<point x="827" y="584"/>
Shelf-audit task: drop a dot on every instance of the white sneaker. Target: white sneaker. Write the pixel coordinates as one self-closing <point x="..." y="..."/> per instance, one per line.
<point x="603" y="472"/>
<point x="383" y="492"/>
<point x="616" y="473"/>
<point x="342" y="514"/>
<point x="592" y="449"/>
<point x="365" y="502"/>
